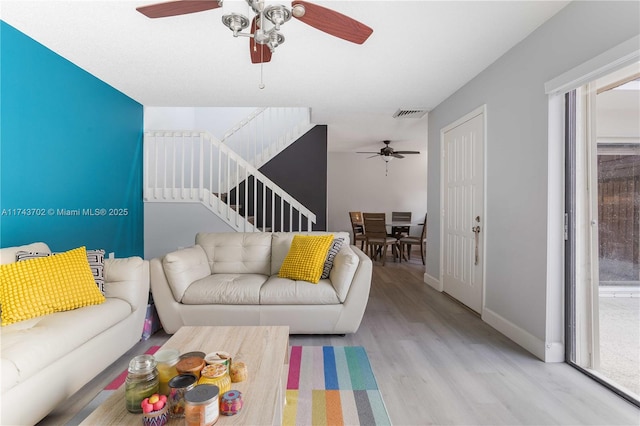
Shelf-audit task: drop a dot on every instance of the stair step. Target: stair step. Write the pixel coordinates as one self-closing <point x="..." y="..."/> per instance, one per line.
<point x="222" y="196"/>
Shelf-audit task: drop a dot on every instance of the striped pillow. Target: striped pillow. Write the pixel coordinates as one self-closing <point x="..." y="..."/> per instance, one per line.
<point x="333" y="251"/>
<point x="94" y="257"/>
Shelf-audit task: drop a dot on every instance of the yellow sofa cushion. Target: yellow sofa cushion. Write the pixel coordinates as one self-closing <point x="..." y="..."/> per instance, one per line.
<point x="45" y="285"/>
<point x="306" y="257"/>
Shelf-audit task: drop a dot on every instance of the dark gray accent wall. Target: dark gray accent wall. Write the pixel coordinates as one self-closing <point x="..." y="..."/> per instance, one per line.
<point x="301" y="170"/>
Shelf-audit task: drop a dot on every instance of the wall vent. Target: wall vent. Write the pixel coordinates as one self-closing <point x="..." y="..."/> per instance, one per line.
<point x="409" y="113"/>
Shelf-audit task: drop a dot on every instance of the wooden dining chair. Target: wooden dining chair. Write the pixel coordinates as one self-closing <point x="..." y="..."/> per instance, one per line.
<point x="409" y="241"/>
<point x="400" y="231"/>
<point x="377" y="238"/>
<point x="357" y="226"/>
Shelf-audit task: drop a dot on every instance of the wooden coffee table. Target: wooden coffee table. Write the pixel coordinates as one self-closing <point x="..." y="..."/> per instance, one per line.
<point x="264" y="349"/>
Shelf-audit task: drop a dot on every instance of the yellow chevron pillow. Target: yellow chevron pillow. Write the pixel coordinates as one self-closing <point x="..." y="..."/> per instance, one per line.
<point x="306" y="256"/>
<point x="44" y="285"/>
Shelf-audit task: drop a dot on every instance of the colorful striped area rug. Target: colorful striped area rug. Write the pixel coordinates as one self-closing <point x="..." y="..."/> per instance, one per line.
<point x="332" y="385"/>
<point x="327" y="385"/>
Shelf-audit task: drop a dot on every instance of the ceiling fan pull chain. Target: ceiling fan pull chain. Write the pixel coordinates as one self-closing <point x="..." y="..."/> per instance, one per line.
<point x="261" y="85"/>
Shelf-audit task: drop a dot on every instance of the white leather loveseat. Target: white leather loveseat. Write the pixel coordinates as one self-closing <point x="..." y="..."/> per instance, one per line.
<point x="45" y="360"/>
<point x="232" y="279"/>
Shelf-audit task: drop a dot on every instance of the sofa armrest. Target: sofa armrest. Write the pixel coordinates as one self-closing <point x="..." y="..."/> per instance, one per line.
<point x="358" y="295"/>
<point x="183" y="267"/>
<point x="127" y="279"/>
<point x="344" y="268"/>
<point x="166" y="305"/>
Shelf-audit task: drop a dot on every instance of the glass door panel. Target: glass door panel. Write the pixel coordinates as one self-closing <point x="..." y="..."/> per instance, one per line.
<point x="603" y="230"/>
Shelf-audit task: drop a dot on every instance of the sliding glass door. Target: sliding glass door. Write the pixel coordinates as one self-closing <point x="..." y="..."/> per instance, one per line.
<point x="602" y="126"/>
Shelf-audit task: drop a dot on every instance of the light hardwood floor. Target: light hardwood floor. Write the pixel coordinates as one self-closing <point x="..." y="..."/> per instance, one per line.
<point x="437" y="363"/>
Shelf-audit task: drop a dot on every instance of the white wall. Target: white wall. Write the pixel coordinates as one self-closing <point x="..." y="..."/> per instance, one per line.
<point x="517" y="159"/>
<point x="356" y="183"/>
<point x="215" y="120"/>
<point x="618" y="112"/>
<point x="169" y="226"/>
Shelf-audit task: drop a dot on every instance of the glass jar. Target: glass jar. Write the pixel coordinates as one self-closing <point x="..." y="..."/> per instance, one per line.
<point x="231" y="403"/>
<point x="141" y="382"/>
<point x="167" y="360"/>
<point x="190" y="365"/>
<point x="216" y="374"/>
<point x="179" y="386"/>
<point x="201" y="406"/>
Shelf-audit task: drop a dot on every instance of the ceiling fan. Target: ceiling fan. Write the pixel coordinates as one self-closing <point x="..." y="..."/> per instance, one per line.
<point x="265" y="18"/>
<point x="388" y="153"/>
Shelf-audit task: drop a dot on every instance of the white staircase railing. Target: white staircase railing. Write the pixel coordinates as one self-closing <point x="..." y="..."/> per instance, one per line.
<point x="191" y="166"/>
<point x="266" y="132"/>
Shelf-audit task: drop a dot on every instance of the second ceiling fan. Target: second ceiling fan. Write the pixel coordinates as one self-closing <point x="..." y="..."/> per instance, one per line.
<point x="388" y="152"/>
<point x="265" y="19"/>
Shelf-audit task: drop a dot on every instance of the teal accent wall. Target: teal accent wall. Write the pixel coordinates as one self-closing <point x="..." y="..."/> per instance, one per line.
<point x="70" y="154"/>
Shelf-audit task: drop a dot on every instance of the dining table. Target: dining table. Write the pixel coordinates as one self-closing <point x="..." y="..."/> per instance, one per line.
<point x="395" y="223"/>
<point x="404" y="223"/>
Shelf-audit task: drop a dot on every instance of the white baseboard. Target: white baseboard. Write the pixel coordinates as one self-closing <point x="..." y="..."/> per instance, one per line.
<point x="433" y="282"/>
<point x="554" y="353"/>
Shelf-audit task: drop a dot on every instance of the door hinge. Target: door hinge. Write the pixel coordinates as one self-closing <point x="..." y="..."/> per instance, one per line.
<point x="566" y="226"/>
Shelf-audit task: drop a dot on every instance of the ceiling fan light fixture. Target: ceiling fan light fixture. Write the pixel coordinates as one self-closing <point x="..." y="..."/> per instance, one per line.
<point x="235" y="22"/>
<point x="265" y="18"/>
<point x="278" y="14"/>
<point x="235" y="15"/>
<point x="275" y="40"/>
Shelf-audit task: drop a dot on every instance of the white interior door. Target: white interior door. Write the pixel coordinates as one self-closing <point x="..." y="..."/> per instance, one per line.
<point x="463" y="209"/>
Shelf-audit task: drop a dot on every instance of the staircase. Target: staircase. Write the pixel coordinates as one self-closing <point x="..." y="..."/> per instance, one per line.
<point x="196" y="167"/>
<point x="266" y="132"/>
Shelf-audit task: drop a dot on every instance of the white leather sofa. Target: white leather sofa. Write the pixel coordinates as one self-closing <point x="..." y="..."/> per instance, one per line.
<point x="47" y="359"/>
<point x="232" y="279"/>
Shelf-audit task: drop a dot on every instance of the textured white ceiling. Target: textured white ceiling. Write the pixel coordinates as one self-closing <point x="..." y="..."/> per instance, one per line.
<point x="419" y="54"/>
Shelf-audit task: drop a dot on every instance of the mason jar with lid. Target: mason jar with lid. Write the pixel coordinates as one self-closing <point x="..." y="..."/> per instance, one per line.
<point x="167" y="360"/>
<point x="190" y="365"/>
<point x="216" y="374"/>
<point x="178" y="387"/>
<point x="141" y="382"/>
<point x="201" y="406"/>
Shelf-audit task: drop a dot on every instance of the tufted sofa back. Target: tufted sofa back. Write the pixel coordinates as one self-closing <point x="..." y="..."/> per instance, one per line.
<point x="251" y="252"/>
<point x="237" y="252"/>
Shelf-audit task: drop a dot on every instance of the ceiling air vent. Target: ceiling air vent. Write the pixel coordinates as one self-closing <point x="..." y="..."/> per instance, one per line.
<point x="410" y="113"/>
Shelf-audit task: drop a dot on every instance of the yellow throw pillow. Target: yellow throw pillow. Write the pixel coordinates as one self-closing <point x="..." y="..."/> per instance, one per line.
<point x="44" y="285"/>
<point x="306" y="257"/>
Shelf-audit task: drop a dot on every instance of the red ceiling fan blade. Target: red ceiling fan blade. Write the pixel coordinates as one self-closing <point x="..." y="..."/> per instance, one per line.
<point x="178" y="7"/>
<point x="259" y="52"/>
<point x="332" y="22"/>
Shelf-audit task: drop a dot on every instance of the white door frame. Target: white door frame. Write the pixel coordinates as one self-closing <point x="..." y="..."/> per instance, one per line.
<point x="480" y="110"/>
